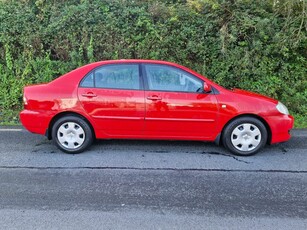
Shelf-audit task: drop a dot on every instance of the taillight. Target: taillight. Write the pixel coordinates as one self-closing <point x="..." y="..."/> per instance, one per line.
<point x="25" y="101"/>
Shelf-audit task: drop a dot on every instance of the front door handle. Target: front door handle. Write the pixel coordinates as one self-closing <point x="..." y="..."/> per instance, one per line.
<point x="154" y="98"/>
<point x="89" y="95"/>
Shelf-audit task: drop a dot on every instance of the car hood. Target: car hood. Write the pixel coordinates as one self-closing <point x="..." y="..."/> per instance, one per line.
<point x="253" y="95"/>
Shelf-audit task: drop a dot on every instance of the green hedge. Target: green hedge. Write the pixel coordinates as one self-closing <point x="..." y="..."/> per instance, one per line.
<point x="251" y="44"/>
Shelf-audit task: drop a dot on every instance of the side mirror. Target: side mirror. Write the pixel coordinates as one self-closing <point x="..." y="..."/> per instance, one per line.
<point x="207" y="88"/>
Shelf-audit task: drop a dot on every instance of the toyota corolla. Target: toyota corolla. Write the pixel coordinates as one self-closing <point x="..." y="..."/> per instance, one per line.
<point x="147" y="99"/>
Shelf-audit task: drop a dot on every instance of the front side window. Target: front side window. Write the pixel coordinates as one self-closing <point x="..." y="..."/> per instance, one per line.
<point x="166" y="78"/>
<point x="123" y="76"/>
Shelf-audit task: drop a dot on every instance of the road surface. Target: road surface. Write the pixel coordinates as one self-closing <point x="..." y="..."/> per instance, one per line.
<point x="120" y="184"/>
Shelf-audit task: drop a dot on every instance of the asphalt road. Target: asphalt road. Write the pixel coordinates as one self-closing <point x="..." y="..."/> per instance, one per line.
<point x="120" y="184"/>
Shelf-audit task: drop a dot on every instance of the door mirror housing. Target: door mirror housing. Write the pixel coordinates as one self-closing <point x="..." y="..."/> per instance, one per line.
<point x="207" y="88"/>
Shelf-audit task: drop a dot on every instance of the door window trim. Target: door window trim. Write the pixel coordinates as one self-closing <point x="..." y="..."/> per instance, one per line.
<point x="146" y="85"/>
<point x="140" y="75"/>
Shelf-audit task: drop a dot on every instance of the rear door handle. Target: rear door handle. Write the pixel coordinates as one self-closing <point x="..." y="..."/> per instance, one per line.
<point x="154" y="98"/>
<point x="89" y="95"/>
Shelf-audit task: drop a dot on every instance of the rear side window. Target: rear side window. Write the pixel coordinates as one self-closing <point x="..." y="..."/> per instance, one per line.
<point x="123" y="76"/>
<point x="88" y="81"/>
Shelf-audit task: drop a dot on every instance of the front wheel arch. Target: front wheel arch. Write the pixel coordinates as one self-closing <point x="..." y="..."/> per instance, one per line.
<point x="245" y="136"/>
<point x="268" y="129"/>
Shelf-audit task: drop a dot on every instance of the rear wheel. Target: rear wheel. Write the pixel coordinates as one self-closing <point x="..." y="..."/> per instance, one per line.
<point x="245" y="136"/>
<point x="72" y="134"/>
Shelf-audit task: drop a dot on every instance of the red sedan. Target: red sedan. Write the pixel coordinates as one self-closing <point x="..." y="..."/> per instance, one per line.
<point x="146" y="99"/>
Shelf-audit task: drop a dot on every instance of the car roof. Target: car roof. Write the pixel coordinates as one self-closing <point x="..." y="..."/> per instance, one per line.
<point x="135" y="61"/>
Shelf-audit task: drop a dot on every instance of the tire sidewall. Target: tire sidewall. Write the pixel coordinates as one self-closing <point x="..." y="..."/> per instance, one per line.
<point x="235" y="123"/>
<point x="81" y="122"/>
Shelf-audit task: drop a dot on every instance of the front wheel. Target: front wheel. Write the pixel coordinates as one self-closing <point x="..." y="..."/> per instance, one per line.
<point x="72" y="134"/>
<point x="245" y="136"/>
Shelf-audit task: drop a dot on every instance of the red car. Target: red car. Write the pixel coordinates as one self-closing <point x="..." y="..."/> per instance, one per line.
<point x="147" y="99"/>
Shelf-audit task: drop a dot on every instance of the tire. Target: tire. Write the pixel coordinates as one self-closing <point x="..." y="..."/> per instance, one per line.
<point x="72" y="134"/>
<point x="245" y="136"/>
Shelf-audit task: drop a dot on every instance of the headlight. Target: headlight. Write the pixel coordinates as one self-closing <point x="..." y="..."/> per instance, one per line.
<point x="282" y="108"/>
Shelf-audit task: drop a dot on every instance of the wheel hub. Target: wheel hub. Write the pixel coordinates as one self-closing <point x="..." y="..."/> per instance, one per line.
<point x="246" y="137"/>
<point x="71" y="135"/>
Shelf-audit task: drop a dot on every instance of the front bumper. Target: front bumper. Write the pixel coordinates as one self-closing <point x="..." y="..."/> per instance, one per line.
<point x="280" y="127"/>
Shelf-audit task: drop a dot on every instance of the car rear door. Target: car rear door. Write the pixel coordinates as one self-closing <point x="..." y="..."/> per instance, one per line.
<point x="175" y="106"/>
<point x="113" y="96"/>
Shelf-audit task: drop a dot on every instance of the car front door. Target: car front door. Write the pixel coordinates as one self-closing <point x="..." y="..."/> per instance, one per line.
<point x="113" y="96"/>
<point x="176" y="106"/>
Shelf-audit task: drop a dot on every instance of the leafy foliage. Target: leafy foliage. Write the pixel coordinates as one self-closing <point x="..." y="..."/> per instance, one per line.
<point x="252" y="44"/>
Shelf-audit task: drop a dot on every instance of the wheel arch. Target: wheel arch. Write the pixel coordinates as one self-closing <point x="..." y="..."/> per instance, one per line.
<point x="48" y="133"/>
<point x="220" y="136"/>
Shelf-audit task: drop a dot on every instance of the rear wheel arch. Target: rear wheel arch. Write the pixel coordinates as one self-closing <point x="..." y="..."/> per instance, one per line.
<point x="63" y="114"/>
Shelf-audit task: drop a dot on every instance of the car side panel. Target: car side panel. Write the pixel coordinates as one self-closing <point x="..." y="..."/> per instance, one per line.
<point x="117" y="113"/>
<point x="232" y="105"/>
<point x="181" y="115"/>
<point x="44" y="102"/>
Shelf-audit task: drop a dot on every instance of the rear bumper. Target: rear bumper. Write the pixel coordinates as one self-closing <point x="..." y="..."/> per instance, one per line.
<point x="281" y="127"/>
<point x="34" y="121"/>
